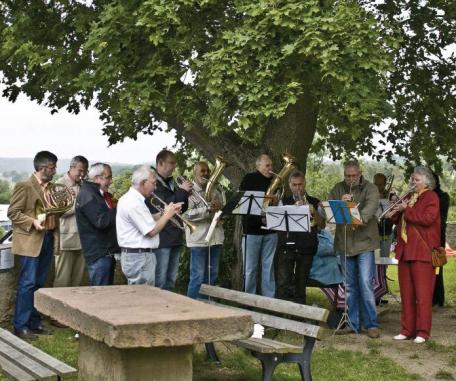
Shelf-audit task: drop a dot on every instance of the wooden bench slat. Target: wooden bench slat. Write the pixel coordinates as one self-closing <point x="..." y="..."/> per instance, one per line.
<point x="268" y="346"/>
<point x="263" y="302"/>
<point x="9" y="369"/>
<point x="39" y="356"/>
<point x="26" y="363"/>
<point x="280" y="323"/>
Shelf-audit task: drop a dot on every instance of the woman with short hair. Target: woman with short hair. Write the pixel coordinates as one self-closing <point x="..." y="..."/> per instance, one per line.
<point x="418" y="232"/>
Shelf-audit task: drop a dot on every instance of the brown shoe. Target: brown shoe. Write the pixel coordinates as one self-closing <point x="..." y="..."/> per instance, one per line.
<point x="26" y="334"/>
<point x="373" y="333"/>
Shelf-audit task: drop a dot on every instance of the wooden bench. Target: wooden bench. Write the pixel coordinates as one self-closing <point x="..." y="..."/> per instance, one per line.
<point x="21" y="361"/>
<point x="279" y="314"/>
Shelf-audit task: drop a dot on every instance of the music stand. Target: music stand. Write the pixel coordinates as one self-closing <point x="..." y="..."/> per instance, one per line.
<point x="343" y="213"/>
<point x="288" y="218"/>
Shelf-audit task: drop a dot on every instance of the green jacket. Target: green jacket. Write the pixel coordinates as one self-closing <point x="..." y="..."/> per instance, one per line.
<point x="362" y="237"/>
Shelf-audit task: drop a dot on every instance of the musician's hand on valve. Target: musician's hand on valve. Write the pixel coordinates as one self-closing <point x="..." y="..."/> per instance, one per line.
<point x="186" y="185"/>
<point x="172" y="208"/>
<point x="347" y="197"/>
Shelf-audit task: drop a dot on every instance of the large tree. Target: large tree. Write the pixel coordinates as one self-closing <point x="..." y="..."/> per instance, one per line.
<point x="238" y="77"/>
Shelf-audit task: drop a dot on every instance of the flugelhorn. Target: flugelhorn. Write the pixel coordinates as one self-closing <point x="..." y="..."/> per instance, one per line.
<point x="197" y="198"/>
<point x="186" y="222"/>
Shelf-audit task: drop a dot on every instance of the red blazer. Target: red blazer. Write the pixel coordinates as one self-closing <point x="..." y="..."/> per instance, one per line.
<point x="423" y="217"/>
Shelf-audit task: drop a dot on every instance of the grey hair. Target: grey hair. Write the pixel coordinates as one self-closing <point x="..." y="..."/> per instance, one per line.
<point x="97" y="170"/>
<point x="352" y="163"/>
<point x="429" y="178"/>
<point x="79" y="159"/>
<point x="260" y="157"/>
<point x="296" y="173"/>
<point x="141" y="174"/>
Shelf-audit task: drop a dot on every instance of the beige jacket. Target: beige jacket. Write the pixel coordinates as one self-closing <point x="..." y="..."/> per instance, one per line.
<point x="69" y="235"/>
<point x="27" y="241"/>
<point x="202" y="218"/>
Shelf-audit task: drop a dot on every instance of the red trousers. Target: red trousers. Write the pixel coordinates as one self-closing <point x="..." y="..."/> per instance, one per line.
<point x="416" y="282"/>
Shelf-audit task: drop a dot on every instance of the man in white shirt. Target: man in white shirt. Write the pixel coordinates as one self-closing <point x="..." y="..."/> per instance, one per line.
<point x="137" y="228"/>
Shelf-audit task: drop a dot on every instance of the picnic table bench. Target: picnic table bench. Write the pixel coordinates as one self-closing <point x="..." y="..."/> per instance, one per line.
<point x="279" y="314"/>
<point x="23" y="362"/>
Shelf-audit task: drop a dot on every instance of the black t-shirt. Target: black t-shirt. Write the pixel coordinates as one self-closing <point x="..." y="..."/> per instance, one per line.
<point x="254" y="181"/>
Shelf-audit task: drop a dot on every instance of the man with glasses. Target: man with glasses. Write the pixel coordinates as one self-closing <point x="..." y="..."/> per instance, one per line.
<point x="358" y="243"/>
<point x="171" y="237"/>
<point x="33" y="241"/>
<point x="96" y="220"/>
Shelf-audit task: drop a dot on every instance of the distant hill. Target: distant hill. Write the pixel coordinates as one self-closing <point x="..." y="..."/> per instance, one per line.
<point x="24" y="165"/>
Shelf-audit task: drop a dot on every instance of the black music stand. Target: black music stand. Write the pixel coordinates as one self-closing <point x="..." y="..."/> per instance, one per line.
<point x="344" y="213"/>
<point x="288" y="218"/>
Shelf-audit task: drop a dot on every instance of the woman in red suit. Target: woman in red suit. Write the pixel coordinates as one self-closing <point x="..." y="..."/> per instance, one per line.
<point x="418" y="232"/>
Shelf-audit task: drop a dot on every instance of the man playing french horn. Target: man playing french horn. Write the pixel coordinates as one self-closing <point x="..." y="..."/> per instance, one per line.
<point x="205" y="257"/>
<point x="34" y="239"/>
<point x="296" y="249"/>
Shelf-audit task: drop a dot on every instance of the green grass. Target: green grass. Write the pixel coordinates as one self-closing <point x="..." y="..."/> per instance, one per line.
<point x="328" y="364"/>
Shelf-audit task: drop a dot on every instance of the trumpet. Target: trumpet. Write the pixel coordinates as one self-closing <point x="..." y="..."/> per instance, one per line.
<point x="161" y="209"/>
<point x="301" y="199"/>
<point x="194" y="195"/>
<point x="397" y="202"/>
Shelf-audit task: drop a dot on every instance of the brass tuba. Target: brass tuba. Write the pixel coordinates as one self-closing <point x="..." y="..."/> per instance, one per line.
<point x="220" y="165"/>
<point x="280" y="178"/>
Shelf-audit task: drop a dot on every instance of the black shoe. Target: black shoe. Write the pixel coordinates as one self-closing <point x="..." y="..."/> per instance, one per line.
<point x="40" y="330"/>
<point x="25" y="334"/>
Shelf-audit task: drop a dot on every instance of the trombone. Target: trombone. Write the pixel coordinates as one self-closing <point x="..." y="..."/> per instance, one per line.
<point x="161" y="209"/>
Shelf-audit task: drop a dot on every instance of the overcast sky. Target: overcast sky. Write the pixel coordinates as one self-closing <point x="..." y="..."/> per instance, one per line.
<point x="26" y="128"/>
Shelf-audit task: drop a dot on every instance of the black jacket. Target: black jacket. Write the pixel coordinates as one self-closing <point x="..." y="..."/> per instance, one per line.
<point x="167" y="190"/>
<point x="307" y="243"/>
<point x="254" y="181"/>
<point x="96" y="223"/>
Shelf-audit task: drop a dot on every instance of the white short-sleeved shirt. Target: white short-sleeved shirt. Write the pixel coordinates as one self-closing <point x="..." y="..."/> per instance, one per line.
<point x="134" y="221"/>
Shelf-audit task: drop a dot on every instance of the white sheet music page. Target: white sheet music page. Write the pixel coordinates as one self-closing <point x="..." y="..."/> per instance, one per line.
<point x="298" y="217"/>
<point x="255" y="202"/>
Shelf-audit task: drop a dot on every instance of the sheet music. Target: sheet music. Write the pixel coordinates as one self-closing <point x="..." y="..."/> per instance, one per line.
<point x="212" y="227"/>
<point x="252" y="200"/>
<point x="291" y="218"/>
<point x="341" y="212"/>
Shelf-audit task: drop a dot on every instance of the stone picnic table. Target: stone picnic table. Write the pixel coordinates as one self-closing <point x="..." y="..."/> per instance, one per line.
<point x="139" y="332"/>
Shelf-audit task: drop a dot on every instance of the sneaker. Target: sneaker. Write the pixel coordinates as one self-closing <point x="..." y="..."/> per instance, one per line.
<point x="400" y="337"/>
<point x="419" y="340"/>
<point x="373" y="333"/>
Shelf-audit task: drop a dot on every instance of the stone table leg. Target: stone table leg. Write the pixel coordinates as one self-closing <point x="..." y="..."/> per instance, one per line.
<point x="99" y="362"/>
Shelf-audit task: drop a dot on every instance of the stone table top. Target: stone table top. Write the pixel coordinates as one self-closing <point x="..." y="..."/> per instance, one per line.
<point x="141" y="316"/>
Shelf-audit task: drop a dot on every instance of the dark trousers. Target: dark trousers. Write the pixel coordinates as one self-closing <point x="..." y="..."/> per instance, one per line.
<point x="293" y="269"/>
<point x="439" y="290"/>
<point x="101" y="272"/>
<point x="32" y="276"/>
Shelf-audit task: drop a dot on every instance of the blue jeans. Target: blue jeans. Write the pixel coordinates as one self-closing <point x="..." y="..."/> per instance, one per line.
<point x="32" y="276"/>
<point x="256" y="249"/>
<point x="360" y="291"/>
<point x="101" y="272"/>
<point x="167" y="266"/>
<point x="200" y="262"/>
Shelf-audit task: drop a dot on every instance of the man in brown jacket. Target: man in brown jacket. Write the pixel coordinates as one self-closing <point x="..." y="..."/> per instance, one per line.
<point x="70" y="264"/>
<point x="357" y="243"/>
<point x="33" y="241"/>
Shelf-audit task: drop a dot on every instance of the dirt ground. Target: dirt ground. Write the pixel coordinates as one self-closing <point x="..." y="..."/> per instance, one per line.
<point x="434" y="360"/>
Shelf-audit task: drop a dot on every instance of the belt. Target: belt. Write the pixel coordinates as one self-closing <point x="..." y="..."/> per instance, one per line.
<point x="134" y="250"/>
